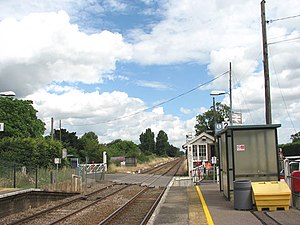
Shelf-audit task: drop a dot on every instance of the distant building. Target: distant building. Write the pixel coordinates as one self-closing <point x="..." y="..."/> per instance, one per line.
<point x="199" y="150"/>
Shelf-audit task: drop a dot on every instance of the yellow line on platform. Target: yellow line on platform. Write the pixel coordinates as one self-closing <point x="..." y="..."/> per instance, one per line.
<point x="205" y="208"/>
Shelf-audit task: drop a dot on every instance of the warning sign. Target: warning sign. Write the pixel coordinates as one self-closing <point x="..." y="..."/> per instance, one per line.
<point x="240" y="148"/>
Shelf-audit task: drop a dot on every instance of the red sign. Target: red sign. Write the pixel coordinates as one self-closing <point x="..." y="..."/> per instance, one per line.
<point x="240" y="147"/>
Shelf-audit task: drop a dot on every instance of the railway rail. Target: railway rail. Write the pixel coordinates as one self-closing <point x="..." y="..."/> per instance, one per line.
<point x="113" y="199"/>
<point x="266" y="218"/>
<point x="138" y="209"/>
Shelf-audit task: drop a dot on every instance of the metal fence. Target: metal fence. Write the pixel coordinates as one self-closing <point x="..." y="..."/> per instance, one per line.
<point x="15" y="175"/>
<point x="290" y="165"/>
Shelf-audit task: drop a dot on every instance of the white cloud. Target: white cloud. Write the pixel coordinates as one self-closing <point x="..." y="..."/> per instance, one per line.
<point x="110" y="115"/>
<point x="45" y="47"/>
<point x="158" y="110"/>
<point x="153" y="84"/>
<point x="185" y="110"/>
<point x="191" y="29"/>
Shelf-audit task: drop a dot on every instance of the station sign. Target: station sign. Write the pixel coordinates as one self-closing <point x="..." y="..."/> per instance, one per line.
<point x="237" y="118"/>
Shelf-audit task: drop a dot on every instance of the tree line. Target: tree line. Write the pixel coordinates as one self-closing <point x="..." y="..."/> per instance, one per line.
<point x="293" y="148"/>
<point x="23" y="140"/>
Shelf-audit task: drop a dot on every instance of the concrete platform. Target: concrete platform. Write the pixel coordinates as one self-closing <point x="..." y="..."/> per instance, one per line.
<point x="16" y="200"/>
<point x="182" y="204"/>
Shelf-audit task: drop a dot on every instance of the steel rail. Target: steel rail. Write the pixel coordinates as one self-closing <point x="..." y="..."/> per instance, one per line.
<point x="149" y="214"/>
<point x="120" y="209"/>
<point x="154" y="205"/>
<point x="265" y="218"/>
<point x="87" y="206"/>
<point x="36" y="215"/>
<point x="157" y="168"/>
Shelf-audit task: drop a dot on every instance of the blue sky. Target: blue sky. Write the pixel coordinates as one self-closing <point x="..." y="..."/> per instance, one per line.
<point x="90" y="62"/>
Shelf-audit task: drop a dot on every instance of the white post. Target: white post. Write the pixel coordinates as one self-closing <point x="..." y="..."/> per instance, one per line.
<point x="190" y="161"/>
<point x="105" y="161"/>
<point x="218" y="171"/>
<point x="287" y="172"/>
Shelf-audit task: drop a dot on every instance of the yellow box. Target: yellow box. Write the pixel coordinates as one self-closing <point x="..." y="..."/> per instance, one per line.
<point x="272" y="195"/>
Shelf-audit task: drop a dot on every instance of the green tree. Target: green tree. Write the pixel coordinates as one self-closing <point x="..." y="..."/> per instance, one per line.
<point x="69" y="141"/>
<point x="173" y="151"/>
<point x="123" y="148"/>
<point x="295" y="137"/>
<point x="162" y="143"/>
<point x="206" y="121"/>
<point x="30" y="151"/>
<point x="147" y="141"/>
<point x="90" y="147"/>
<point x="20" y="119"/>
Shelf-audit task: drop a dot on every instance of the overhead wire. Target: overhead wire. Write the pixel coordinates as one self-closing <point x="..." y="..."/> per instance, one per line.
<point x="283" y="18"/>
<point x="286" y="40"/>
<point x="155" y="106"/>
<point x="284" y="102"/>
<point x="242" y="94"/>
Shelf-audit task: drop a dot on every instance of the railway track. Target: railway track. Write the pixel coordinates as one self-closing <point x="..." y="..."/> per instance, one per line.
<point x="70" y="208"/>
<point x="266" y="218"/>
<point x="112" y="201"/>
<point x="138" y="210"/>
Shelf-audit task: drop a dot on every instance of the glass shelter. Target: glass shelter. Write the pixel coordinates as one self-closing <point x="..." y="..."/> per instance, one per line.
<point x="248" y="152"/>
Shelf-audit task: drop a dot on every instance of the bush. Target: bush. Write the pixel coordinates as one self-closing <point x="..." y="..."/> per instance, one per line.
<point x="291" y="149"/>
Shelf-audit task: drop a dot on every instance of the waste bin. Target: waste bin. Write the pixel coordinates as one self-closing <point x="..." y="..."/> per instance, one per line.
<point x="242" y="194"/>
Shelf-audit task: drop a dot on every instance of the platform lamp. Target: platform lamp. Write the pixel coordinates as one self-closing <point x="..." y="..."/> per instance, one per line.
<point x="217" y="93"/>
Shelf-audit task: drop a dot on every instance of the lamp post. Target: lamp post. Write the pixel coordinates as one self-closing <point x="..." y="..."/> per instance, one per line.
<point x="217" y="93"/>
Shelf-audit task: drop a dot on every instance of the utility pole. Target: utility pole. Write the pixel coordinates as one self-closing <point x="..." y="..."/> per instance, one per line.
<point x="230" y="95"/>
<point x="60" y="130"/>
<point x="266" y="65"/>
<point x="51" y="132"/>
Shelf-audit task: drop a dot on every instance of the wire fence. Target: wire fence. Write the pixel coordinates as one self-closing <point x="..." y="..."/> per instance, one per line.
<point x="15" y="175"/>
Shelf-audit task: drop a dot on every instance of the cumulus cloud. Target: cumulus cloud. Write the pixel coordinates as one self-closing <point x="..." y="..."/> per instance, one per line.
<point x="46" y="47"/>
<point x="110" y="115"/>
<point x="153" y="84"/>
<point x="185" y="110"/>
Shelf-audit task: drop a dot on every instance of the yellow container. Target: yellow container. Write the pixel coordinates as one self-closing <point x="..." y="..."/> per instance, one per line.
<point x="272" y="195"/>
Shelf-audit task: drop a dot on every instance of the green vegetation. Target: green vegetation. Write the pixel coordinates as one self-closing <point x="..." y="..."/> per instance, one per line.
<point x="22" y="141"/>
<point x="206" y="120"/>
<point x="292" y="149"/>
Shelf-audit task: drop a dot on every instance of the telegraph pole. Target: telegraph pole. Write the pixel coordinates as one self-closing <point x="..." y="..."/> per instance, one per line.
<point x="52" y="132"/>
<point x="60" y="130"/>
<point x="266" y="65"/>
<point x="230" y="95"/>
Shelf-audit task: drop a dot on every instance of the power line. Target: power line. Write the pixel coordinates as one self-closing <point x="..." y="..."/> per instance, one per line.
<point x="283" y="18"/>
<point x="291" y="39"/>
<point x="285" y="105"/>
<point x="242" y="94"/>
<point x="155" y="106"/>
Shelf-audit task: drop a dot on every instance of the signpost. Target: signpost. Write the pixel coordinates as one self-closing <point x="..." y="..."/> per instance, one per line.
<point x="57" y="161"/>
<point x="1" y="126"/>
<point x="214" y="162"/>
